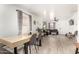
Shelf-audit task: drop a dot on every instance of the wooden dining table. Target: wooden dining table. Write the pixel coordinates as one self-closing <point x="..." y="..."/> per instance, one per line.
<point x="15" y="41"/>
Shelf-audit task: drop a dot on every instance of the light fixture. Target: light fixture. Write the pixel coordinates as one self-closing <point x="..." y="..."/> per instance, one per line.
<point x="51" y="15"/>
<point x="44" y="13"/>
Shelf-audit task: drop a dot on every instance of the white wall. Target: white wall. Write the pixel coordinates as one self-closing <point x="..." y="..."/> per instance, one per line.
<point x="78" y="24"/>
<point x="39" y="22"/>
<point x="9" y="21"/>
<point x="64" y="27"/>
<point x="73" y="28"/>
<point x="34" y="27"/>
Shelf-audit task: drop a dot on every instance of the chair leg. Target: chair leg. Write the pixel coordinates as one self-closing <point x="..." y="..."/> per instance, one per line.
<point x="76" y="51"/>
<point x="40" y="44"/>
<point x="15" y="50"/>
<point x="36" y="49"/>
<point x="30" y="48"/>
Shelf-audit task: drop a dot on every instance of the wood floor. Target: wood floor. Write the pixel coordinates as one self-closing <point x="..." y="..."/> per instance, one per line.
<point x="57" y="45"/>
<point x="54" y="44"/>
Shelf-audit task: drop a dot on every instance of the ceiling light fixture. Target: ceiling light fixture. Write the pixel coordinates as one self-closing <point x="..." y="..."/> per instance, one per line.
<point x="51" y="15"/>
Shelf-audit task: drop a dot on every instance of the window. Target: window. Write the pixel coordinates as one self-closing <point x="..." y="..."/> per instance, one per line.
<point x="25" y="23"/>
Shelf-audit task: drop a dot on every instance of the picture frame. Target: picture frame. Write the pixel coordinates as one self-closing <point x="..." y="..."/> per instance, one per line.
<point x="71" y="22"/>
<point x="34" y="22"/>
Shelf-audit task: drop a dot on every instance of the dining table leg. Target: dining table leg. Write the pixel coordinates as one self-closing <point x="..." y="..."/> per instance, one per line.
<point x="15" y="50"/>
<point x="26" y="48"/>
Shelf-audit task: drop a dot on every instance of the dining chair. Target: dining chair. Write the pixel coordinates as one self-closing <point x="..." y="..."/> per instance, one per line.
<point x="33" y="42"/>
<point x="39" y="39"/>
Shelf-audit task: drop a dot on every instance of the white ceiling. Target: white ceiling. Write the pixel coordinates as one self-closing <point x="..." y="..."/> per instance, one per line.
<point x="59" y="10"/>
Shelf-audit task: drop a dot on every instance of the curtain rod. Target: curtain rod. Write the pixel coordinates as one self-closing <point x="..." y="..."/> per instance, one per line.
<point x="23" y="12"/>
